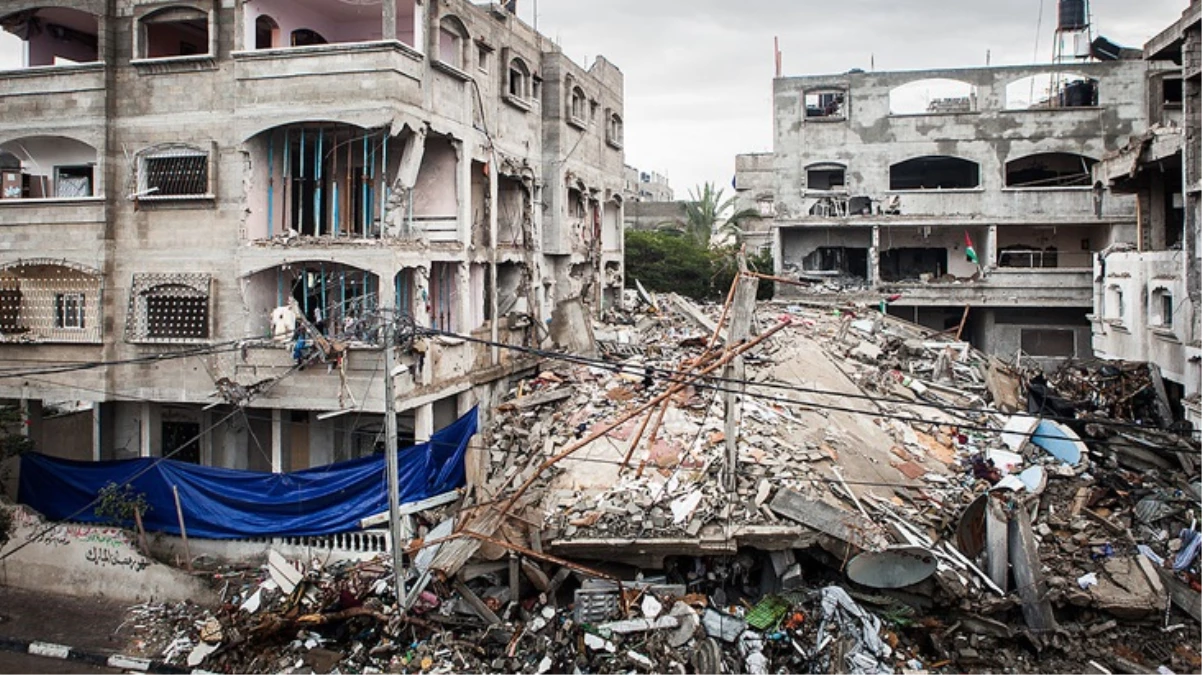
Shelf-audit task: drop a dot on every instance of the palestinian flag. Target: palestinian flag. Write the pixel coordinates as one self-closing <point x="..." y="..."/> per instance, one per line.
<point x="969" y="251"/>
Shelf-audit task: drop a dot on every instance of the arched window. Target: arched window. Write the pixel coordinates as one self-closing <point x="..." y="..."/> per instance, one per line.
<point x="578" y="105"/>
<point x="519" y="79"/>
<point x="173" y="32"/>
<point x="452" y="41"/>
<point x="1115" y="307"/>
<point x="169" y="307"/>
<point x="44" y="167"/>
<point x="53" y="36"/>
<point x="173" y="172"/>
<point x="1050" y="169"/>
<point x="614" y="131"/>
<point x="932" y="96"/>
<point x="1049" y="91"/>
<point x="49" y="301"/>
<point x="267" y="33"/>
<point x="306" y="37"/>
<point x="934" y="172"/>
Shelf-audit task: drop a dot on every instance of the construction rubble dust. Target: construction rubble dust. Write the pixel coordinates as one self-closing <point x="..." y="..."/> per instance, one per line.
<point x="898" y="503"/>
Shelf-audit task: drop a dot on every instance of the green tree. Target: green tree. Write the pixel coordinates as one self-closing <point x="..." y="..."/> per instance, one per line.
<point x="666" y="261"/>
<point x="707" y="214"/>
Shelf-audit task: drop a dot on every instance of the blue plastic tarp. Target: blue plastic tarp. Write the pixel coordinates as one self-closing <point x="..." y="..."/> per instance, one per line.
<point x="231" y="504"/>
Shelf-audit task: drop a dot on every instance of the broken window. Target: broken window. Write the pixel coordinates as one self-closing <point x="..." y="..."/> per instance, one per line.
<point x="173" y="172"/>
<point x="42" y="167"/>
<point x="1162" y="308"/>
<point x="825" y="177"/>
<point x="169" y="307"/>
<point x="1051" y="91"/>
<point x="267" y="33"/>
<point x="901" y="264"/>
<point x="337" y="300"/>
<point x="173" y="32"/>
<point x="843" y="260"/>
<point x="54" y="36"/>
<point x="41" y="301"/>
<point x="321" y="180"/>
<point x="514" y="214"/>
<point x="933" y="96"/>
<point x="614" y="131"/>
<point x="1050" y="169"/>
<point x="934" y="173"/>
<point x="1021" y="255"/>
<point x="1174" y="93"/>
<point x="1049" y="342"/>
<point x="452" y="40"/>
<point x="444" y="281"/>
<point x="828" y="104"/>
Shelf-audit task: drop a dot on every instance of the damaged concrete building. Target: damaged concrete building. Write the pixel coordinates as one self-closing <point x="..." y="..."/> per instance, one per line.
<point x="880" y="182"/>
<point x="177" y="172"/>
<point x="1148" y="291"/>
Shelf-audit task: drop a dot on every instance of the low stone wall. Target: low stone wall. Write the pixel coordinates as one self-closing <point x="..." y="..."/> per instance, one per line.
<point x="90" y="560"/>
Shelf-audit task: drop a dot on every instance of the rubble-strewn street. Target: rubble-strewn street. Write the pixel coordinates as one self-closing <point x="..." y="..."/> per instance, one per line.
<point x="894" y="509"/>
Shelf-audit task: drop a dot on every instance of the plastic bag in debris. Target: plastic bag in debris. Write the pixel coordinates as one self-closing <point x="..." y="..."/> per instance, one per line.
<point x="870" y="655"/>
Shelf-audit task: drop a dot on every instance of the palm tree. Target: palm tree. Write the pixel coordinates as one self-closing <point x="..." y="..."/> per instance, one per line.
<point x="705" y="215"/>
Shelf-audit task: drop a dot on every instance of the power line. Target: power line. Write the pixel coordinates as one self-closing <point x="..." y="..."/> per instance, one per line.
<point x="642" y="370"/>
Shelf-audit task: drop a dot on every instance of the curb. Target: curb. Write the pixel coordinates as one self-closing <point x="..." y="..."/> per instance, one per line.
<point x="119" y="661"/>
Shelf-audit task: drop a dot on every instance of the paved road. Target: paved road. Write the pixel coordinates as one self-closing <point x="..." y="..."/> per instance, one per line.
<point x="11" y="662"/>
<point x="85" y="623"/>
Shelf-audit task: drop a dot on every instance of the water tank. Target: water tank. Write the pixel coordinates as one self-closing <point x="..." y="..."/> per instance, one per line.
<point x="1074" y="14"/>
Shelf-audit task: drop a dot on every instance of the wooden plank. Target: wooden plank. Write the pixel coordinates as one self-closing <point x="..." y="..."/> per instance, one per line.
<point x="1024" y="559"/>
<point x="536" y="576"/>
<point x="743" y="310"/>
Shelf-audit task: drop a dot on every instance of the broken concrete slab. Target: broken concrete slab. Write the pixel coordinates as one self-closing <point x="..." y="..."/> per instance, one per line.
<point x="845" y="526"/>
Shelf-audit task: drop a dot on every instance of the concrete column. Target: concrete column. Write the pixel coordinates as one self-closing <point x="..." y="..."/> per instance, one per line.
<point x="144" y="431"/>
<point x="466" y="400"/>
<point x="423" y="423"/>
<point x="387" y="296"/>
<point x="388" y="12"/>
<point x="206" y="438"/>
<point x="419" y="25"/>
<point x="778" y="252"/>
<point x="31" y="420"/>
<point x="97" y="430"/>
<point x="874" y="256"/>
<point x="989" y="259"/>
<point x="277" y="440"/>
<point x="463" y="295"/>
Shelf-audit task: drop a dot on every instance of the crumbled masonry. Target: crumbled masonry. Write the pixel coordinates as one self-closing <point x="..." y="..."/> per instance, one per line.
<point x="900" y="503"/>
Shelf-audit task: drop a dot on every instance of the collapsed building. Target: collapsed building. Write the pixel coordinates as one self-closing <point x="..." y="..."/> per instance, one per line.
<point x="224" y="163"/>
<point x="1148" y="291"/>
<point x="954" y="187"/>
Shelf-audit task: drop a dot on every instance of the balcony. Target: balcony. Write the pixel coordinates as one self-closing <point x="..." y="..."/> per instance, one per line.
<point x="1003" y="287"/>
<point x="328" y="76"/>
<point x="34" y="99"/>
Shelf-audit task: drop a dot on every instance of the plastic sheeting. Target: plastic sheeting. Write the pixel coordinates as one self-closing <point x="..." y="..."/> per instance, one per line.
<point x="230" y="504"/>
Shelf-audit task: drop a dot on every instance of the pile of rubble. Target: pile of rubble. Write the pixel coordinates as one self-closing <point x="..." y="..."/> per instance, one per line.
<point x="893" y="505"/>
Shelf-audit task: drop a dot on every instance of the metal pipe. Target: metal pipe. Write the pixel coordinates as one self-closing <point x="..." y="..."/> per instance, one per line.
<point x="317" y="159"/>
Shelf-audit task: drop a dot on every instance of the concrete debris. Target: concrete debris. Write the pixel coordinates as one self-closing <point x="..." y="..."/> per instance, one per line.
<point x="884" y="510"/>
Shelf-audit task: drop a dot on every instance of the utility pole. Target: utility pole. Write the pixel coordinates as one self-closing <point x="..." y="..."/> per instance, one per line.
<point x="390" y="463"/>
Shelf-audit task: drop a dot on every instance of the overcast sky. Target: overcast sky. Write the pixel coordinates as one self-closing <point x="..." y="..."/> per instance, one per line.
<point x="699" y="72"/>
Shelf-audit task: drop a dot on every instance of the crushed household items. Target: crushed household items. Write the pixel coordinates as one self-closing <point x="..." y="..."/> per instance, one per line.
<point x="808" y="487"/>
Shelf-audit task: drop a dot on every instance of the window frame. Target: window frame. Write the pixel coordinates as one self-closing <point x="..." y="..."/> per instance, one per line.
<point x="141" y="37"/>
<point x="143" y="191"/>
<point x="61" y="311"/>
<point x="144" y="287"/>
